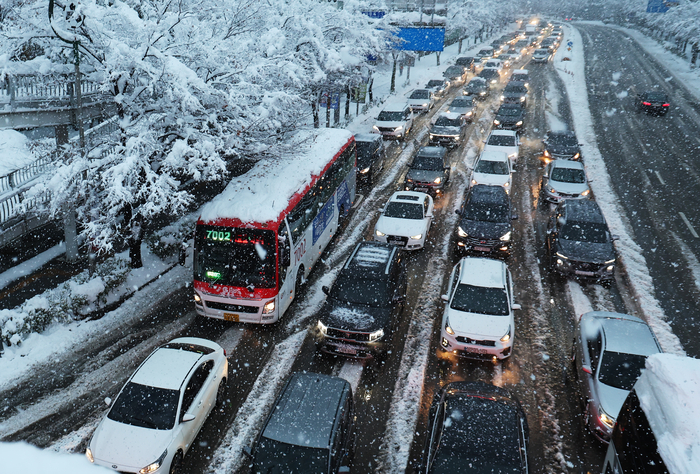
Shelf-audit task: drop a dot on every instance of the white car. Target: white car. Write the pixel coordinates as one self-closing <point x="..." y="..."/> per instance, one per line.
<point x="478" y="319"/>
<point x="564" y="179"/>
<point x="506" y="141"/>
<point x="494" y="63"/>
<point x="493" y="168"/>
<point x="405" y="220"/>
<point x="396" y="120"/>
<point x="156" y="416"/>
<point x="421" y="100"/>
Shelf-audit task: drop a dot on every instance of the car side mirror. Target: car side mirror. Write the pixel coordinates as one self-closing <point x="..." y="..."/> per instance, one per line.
<point x="516" y="306"/>
<point x="615" y="237"/>
<point x="108" y="401"/>
<point x="514" y="217"/>
<point x="247" y="451"/>
<point x="444" y="298"/>
<point x="428" y="215"/>
<point x="458" y="212"/>
<point x="187" y="417"/>
<point x="325" y="289"/>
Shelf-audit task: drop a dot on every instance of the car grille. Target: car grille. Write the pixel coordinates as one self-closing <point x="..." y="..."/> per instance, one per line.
<point x="423" y="184"/>
<point x="482" y="243"/>
<point x="397" y="240"/>
<point x="387" y="129"/>
<point x="236" y="308"/>
<point x="585" y="266"/>
<point x="467" y="340"/>
<point x="347" y="335"/>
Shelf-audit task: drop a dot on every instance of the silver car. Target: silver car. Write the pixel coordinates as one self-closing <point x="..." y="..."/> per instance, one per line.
<point x="608" y="354"/>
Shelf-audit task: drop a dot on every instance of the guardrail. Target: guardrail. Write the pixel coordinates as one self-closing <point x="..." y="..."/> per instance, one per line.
<point x="28" y="88"/>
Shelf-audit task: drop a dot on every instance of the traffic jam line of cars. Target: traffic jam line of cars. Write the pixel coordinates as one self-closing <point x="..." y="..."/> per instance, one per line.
<point x="154" y="420"/>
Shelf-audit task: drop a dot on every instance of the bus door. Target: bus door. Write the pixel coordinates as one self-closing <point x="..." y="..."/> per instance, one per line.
<point x="286" y="268"/>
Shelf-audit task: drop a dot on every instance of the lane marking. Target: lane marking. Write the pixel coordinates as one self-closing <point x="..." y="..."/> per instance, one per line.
<point x="661" y="180"/>
<point x="690" y="226"/>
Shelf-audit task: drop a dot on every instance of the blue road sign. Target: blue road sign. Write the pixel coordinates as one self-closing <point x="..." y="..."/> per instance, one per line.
<point x="569" y="43"/>
<point x="420" y="39"/>
<point x="376" y="14"/>
<point x="657" y="6"/>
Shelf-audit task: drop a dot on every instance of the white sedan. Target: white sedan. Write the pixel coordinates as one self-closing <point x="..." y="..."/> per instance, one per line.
<point x="506" y="141"/>
<point x="405" y="220"/>
<point x="493" y="168"/>
<point x="161" y="408"/>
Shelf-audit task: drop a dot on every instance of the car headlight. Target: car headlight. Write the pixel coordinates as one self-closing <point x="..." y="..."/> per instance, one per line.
<point x="506" y="336"/>
<point x="474" y="181"/>
<point x="461" y="232"/>
<point x="417" y="237"/>
<point x="197" y="299"/>
<point x="376" y="335"/>
<point x="496" y="122"/>
<point x="513" y="156"/>
<point x="482" y="93"/>
<point x="409" y="180"/>
<point x="586" y="192"/>
<point x="546" y="153"/>
<point x="432" y="136"/>
<point x="606" y="419"/>
<point x="449" y="329"/>
<point x="379" y="233"/>
<point x="560" y="255"/>
<point x="438" y="180"/>
<point x="503" y="98"/>
<point x="519" y="123"/>
<point x="269" y="307"/>
<point x="506" y="184"/>
<point x="493" y="81"/>
<point x="399" y="128"/>
<point x="364" y="171"/>
<point x="610" y="268"/>
<point x="469" y="114"/>
<point x="155" y="465"/>
<point x="576" y="156"/>
<point x="376" y="128"/>
<point x="552" y="190"/>
<point x="323" y="329"/>
<point x="506" y="236"/>
<point x="522" y="99"/>
<point x="88" y="454"/>
<point x="425" y="105"/>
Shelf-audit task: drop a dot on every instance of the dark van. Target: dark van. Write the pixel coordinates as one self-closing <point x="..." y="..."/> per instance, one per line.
<point x="309" y="429"/>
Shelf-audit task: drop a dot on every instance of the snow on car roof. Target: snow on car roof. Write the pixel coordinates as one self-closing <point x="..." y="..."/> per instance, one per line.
<point x="629" y="336"/>
<point x="484" y="272"/>
<point x="669" y="393"/>
<point x="166" y="368"/>
<point x="264" y="192"/>
<point x="371" y="256"/>
<point x="504" y="132"/>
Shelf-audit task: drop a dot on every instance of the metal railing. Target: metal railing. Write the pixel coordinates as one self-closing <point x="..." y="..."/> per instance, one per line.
<point x="18" y="89"/>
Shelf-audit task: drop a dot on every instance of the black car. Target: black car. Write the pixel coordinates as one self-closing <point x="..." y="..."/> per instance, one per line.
<point x="578" y="241"/>
<point x="466" y="62"/>
<point x="447" y="130"/>
<point x="455" y="74"/>
<point x="485" y="220"/>
<point x="653" y="102"/>
<point x="429" y="171"/>
<point x="561" y="145"/>
<point x="478" y="425"/>
<point x="515" y="93"/>
<point x="437" y="86"/>
<point x="491" y="76"/>
<point x="509" y="117"/>
<point x="370" y="157"/>
<point x="365" y="302"/>
<point x="464" y="106"/>
<point x="478" y="88"/>
<point x="309" y="430"/>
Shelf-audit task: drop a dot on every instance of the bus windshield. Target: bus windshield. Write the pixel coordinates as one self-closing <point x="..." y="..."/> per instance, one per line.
<point x="235" y="256"/>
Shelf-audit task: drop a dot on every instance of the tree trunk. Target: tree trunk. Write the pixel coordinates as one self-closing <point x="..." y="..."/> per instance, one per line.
<point x="314" y="110"/>
<point x="393" y="77"/>
<point x="135" y="239"/>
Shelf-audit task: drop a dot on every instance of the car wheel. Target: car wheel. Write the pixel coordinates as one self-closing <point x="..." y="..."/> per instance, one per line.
<point x="221" y="394"/>
<point x="176" y="464"/>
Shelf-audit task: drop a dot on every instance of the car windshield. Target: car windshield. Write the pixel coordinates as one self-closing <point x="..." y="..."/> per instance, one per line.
<point x="568" y="175"/>
<point x="509" y="111"/>
<point x="477" y="82"/>
<point x="456" y="70"/>
<point x="433" y="83"/>
<point x="365" y="151"/>
<point x="431" y="163"/>
<point x="488" y="73"/>
<point x="491" y="167"/>
<point x="492" y="64"/>
<point x="466" y="102"/>
<point x="272" y="457"/>
<point x="147" y="407"/>
<point x="404" y="210"/>
<point x="515" y="88"/>
<point x="585" y="232"/>
<point x="465" y="448"/>
<point x="448" y="122"/>
<point x="375" y="293"/>
<point x="385" y="116"/>
<point x="485" y="212"/>
<point x="502" y="140"/>
<point x="620" y="370"/>
<point x="421" y="94"/>
<point x="235" y="256"/>
<point x="480" y="300"/>
<point x="562" y="140"/>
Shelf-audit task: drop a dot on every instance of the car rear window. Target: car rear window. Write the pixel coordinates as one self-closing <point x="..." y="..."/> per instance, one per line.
<point x="620" y="370"/>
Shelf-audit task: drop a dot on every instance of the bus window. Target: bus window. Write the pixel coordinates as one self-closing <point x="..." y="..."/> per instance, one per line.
<point x="285" y="252"/>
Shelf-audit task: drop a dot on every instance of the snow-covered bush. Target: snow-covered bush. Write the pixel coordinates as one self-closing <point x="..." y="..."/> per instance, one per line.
<point x="167" y="242"/>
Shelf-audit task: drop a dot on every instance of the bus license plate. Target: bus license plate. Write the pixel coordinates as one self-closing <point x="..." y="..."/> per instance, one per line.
<point x="231" y="317"/>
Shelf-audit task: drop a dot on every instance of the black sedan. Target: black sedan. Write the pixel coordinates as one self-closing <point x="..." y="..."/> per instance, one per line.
<point x="561" y="145"/>
<point x="509" y="117"/>
<point x="491" y="76"/>
<point x="653" y="102"/>
<point x="477" y="87"/>
<point x="477" y="425"/>
<point x="515" y="93"/>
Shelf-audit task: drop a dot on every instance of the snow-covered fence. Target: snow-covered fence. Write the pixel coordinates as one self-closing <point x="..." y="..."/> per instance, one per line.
<point x="29" y="88"/>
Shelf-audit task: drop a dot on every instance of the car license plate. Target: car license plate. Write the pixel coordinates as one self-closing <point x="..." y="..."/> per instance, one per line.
<point x="346" y="350"/>
<point x="482" y="249"/>
<point x="478" y="350"/>
<point x="582" y="273"/>
<point x="395" y="242"/>
<point x="231" y="317"/>
<point x="421" y="190"/>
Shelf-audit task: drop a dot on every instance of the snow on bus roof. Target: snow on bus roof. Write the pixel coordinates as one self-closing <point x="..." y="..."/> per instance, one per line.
<point x="669" y="393"/>
<point x="264" y="192"/>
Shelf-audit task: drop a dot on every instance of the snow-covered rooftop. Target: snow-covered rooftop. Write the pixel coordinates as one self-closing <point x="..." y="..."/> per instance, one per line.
<point x="264" y="192"/>
<point x="669" y="393"/>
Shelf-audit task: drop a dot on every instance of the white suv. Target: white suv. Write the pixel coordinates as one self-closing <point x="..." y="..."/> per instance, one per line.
<point x="478" y="320"/>
<point x="395" y="120"/>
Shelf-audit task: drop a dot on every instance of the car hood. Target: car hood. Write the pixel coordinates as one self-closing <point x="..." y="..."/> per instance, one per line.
<point x="418" y="101"/>
<point x="401" y="227"/>
<point x="478" y="325"/>
<point x="508" y="150"/>
<point x="354" y="317"/>
<point x="476" y="88"/>
<point x="443" y="130"/>
<point x="127" y="445"/>
<point x="389" y="124"/>
<point x="509" y="118"/>
<point x="424" y="175"/>
<point x="611" y="398"/>
<point x="513" y="94"/>
<point x="461" y="110"/>
<point x="587" y="251"/>
<point x="485" y="230"/>
<point x="491" y="179"/>
<point x="568" y="188"/>
<point x="565" y="150"/>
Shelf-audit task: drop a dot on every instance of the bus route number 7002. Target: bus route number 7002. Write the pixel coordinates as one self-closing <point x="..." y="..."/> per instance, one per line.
<point x="300" y="250"/>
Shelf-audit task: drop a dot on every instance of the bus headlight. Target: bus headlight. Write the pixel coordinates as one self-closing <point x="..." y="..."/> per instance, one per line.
<point x="269" y="307"/>
<point x="197" y="298"/>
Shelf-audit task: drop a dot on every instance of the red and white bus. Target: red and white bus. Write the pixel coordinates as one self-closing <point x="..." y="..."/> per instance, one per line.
<point x="256" y="242"/>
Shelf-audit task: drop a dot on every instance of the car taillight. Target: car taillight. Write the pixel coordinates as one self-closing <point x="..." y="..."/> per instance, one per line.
<point x="646" y="103"/>
<point x="667" y="105"/>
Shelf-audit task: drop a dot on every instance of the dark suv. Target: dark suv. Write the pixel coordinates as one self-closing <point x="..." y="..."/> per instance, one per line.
<point x="429" y="171"/>
<point x="370" y="157"/>
<point x="578" y="241"/>
<point x="310" y="428"/>
<point x="365" y="302"/>
<point x="485" y="224"/>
